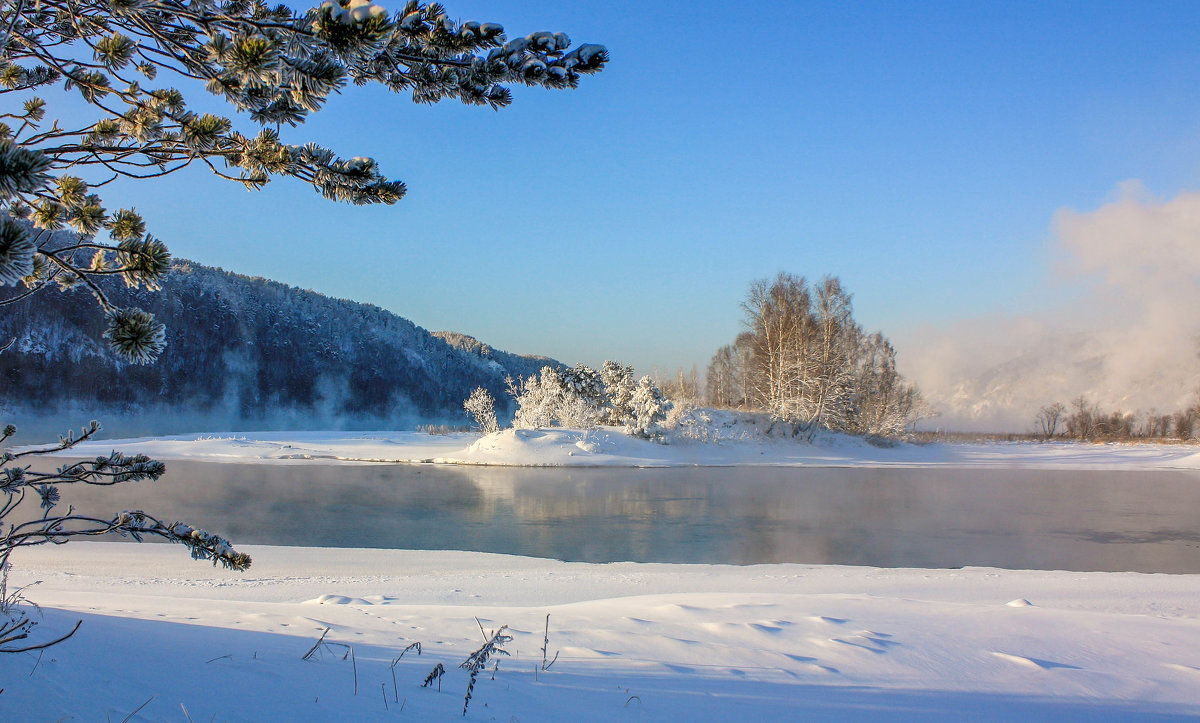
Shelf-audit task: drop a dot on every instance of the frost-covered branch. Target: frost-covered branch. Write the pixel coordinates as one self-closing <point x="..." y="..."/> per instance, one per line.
<point x="19" y="482"/>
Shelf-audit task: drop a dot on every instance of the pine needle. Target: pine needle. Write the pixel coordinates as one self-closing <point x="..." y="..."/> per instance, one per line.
<point x="137" y="710"/>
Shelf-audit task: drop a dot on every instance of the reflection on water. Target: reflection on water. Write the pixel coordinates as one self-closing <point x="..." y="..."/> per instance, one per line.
<point x="1074" y="520"/>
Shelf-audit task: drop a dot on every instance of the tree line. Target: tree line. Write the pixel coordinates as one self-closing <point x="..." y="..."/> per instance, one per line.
<point x="1086" y="420"/>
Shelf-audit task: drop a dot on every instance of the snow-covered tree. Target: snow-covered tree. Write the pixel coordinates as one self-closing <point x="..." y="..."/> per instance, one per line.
<point x="726" y="380"/>
<point x="577" y="412"/>
<point x="649" y="407"/>
<point x="586" y="383"/>
<point x="619" y="387"/>
<point x="810" y="365"/>
<point x="882" y="403"/>
<point x="1185" y="423"/>
<point x="538" y="398"/>
<point x="482" y="408"/>
<point x="107" y="65"/>
<point x="719" y="378"/>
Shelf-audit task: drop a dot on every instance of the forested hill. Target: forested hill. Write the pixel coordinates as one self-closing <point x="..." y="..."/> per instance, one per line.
<point x="244" y="353"/>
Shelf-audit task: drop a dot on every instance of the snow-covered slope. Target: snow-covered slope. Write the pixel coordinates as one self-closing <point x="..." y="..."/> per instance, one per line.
<point x="242" y="353"/>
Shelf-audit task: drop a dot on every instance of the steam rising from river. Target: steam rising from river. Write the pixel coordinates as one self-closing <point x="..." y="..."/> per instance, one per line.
<point x="1129" y="341"/>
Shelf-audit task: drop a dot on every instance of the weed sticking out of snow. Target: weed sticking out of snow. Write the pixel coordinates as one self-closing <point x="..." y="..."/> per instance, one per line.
<point x="394" y="663"/>
<point x="137" y="710"/>
<point x="546" y="646"/>
<point x="435" y="675"/>
<point x="478" y="660"/>
<point x="322" y="646"/>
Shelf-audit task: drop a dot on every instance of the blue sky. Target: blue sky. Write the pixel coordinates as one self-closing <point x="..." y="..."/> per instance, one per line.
<point x="916" y="150"/>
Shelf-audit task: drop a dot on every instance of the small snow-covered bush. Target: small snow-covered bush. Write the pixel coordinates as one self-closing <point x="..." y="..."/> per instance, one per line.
<point x="582" y="398"/>
<point x="687" y="421"/>
<point x="482" y="408"/>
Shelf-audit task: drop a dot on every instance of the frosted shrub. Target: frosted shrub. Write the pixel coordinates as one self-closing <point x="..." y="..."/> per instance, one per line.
<point x="687" y="421"/>
<point x="537" y="398"/>
<point x="577" y="412"/>
<point x="582" y="398"/>
<point x="482" y="408"/>
<point x="546" y="400"/>
<point x="586" y="383"/>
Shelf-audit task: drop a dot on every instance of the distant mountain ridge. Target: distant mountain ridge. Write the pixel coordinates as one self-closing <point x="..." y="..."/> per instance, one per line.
<point x="471" y="345"/>
<point x="244" y="353"/>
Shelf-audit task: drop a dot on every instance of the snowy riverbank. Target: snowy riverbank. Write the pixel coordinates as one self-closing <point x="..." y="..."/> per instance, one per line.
<point x="608" y="446"/>
<point x="634" y="641"/>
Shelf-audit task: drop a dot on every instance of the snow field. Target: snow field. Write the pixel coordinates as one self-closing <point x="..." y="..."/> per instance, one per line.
<point x="634" y="641"/>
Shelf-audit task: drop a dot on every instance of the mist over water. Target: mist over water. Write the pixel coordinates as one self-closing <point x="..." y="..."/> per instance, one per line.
<point x="1020" y="519"/>
<point x="1129" y="340"/>
<point x="42" y="425"/>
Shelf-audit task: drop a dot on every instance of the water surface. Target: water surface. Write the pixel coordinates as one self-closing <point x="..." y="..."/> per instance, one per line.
<point x="1146" y="521"/>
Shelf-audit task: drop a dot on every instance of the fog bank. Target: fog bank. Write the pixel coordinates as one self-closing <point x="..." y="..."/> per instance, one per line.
<point x="1127" y="341"/>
